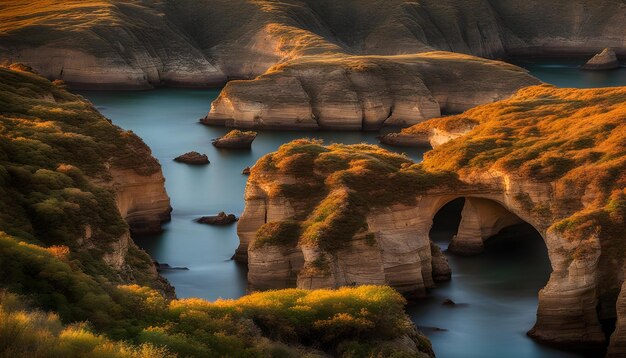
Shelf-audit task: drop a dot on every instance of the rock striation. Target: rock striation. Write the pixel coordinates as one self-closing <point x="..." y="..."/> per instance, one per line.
<point x="306" y="63"/>
<point x="328" y="216"/>
<point x="605" y="60"/>
<point x="364" y="93"/>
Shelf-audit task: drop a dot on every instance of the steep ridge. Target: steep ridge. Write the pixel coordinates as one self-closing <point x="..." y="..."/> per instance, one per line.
<point x="553" y="158"/>
<point x="72" y="188"/>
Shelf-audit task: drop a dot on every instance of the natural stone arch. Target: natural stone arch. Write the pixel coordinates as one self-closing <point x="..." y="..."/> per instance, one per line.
<point x="402" y="255"/>
<point x="566" y="312"/>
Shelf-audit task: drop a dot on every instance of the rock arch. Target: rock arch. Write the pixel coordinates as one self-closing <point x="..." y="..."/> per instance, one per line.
<point x="402" y="255"/>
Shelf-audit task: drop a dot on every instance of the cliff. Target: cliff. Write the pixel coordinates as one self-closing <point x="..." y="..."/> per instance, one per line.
<point x="553" y="158"/>
<point x="142" y="43"/>
<point x="309" y="63"/>
<point x="311" y="56"/>
<point x="364" y="92"/>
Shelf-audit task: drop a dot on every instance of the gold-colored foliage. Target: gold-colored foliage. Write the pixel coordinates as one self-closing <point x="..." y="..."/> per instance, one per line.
<point x="357" y="178"/>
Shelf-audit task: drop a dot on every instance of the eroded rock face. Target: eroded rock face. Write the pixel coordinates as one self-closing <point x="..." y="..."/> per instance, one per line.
<point x="605" y="60"/>
<point x="364" y="93"/>
<point x="399" y="252"/>
<point x="141" y="200"/>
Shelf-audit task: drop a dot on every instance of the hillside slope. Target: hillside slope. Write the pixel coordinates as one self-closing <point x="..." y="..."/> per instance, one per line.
<point x="73" y="284"/>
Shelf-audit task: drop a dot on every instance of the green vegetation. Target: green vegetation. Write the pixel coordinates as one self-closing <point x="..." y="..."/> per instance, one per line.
<point x="337" y="186"/>
<point x="236" y="133"/>
<point x="58" y="219"/>
<point x="285" y="323"/>
<point x="574" y="139"/>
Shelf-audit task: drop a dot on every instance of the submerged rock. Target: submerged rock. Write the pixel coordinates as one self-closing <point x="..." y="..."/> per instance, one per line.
<point x="220" y="219"/>
<point x="605" y="60"/>
<point x="235" y="139"/>
<point x="166" y="267"/>
<point x="193" y="158"/>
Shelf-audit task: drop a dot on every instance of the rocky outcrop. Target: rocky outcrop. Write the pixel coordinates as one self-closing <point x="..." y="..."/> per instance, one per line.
<point x="617" y="347"/>
<point x="364" y="93"/>
<point x="194" y="158"/>
<point x="220" y="219"/>
<point x="605" y="60"/>
<point x="88" y="177"/>
<point x="235" y="139"/>
<point x="141" y="200"/>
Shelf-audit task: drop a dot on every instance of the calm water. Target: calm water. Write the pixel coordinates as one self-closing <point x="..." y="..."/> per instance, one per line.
<point x="167" y="120"/>
<point x="498" y="289"/>
<point x="567" y="73"/>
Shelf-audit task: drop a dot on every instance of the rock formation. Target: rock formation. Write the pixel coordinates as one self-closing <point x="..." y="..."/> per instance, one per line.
<point x="194" y="158"/>
<point x="235" y="139"/>
<point x="328" y="216"/>
<point x="219" y="219"/>
<point x="310" y="63"/>
<point x="605" y="60"/>
<point x="364" y="93"/>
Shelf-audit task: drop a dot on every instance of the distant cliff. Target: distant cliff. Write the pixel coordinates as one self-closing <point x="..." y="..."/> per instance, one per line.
<point x="338" y="215"/>
<point x="144" y="43"/>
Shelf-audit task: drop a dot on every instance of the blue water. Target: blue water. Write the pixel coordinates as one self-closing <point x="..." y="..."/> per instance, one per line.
<point x="567" y="73"/>
<point x="499" y="288"/>
<point x="167" y="120"/>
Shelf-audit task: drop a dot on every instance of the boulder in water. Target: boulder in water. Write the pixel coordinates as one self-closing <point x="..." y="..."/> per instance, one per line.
<point x="605" y="60"/>
<point x="193" y="158"/>
<point x="219" y="219"/>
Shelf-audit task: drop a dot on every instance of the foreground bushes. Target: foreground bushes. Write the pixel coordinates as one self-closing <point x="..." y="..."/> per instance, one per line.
<point x="361" y="321"/>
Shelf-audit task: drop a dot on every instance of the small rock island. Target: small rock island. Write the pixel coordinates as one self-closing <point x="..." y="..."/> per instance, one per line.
<point x="235" y="139"/>
<point x="193" y="158"/>
<point x="605" y="60"/>
<point x="220" y="219"/>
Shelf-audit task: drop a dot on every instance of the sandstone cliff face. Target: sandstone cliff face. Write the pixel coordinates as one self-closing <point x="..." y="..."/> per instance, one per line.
<point x="141" y="200"/>
<point x="396" y="250"/>
<point x="143" y="43"/>
<point x="364" y="93"/>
